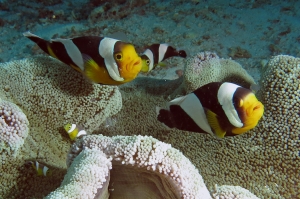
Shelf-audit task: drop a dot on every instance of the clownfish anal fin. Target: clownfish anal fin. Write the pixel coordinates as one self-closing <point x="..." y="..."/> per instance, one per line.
<point x="213" y="122"/>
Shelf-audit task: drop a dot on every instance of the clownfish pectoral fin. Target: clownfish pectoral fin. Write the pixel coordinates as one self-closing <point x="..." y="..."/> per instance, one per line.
<point x="91" y="68"/>
<point x="213" y="122"/>
<point x="161" y="64"/>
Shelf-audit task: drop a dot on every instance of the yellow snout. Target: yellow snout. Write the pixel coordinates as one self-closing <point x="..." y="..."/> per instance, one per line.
<point x="254" y="110"/>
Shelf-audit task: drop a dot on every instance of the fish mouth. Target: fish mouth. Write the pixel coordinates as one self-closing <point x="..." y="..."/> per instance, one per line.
<point x="133" y="64"/>
<point x="257" y="107"/>
<point x="137" y="62"/>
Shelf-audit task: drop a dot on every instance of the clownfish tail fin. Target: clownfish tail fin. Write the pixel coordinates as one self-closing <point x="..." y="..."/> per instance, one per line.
<point x="165" y="117"/>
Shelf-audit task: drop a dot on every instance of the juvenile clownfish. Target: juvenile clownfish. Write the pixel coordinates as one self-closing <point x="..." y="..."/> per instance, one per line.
<point x="74" y="131"/>
<point x="156" y="53"/>
<point x="220" y="109"/>
<point x="102" y="60"/>
<point x="41" y="169"/>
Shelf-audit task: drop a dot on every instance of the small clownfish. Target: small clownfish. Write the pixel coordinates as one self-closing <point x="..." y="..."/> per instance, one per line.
<point x="220" y="109"/>
<point x="41" y="169"/>
<point x="74" y="131"/>
<point x="102" y="60"/>
<point x="156" y="53"/>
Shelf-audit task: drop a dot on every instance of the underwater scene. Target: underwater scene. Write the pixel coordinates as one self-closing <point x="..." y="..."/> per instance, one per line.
<point x="148" y="99"/>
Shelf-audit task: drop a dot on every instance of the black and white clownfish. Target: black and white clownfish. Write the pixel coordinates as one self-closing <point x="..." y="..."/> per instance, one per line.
<point x="102" y="60"/>
<point x="41" y="169"/>
<point x="156" y="53"/>
<point x="220" y="109"/>
<point x="74" y="131"/>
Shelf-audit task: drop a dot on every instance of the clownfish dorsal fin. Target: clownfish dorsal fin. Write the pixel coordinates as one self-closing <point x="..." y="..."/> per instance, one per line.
<point x="91" y="68"/>
<point x="213" y="122"/>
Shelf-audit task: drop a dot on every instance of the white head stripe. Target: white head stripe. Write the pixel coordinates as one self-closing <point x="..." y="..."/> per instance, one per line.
<point x="36" y="165"/>
<point x="72" y="128"/>
<point x="73" y="51"/>
<point x="149" y="54"/>
<point x="225" y="97"/>
<point x="45" y="169"/>
<point x="106" y="50"/>
<point x="162" y="51"/>
<point x="193" y="107"/>
<point x="80" y="133"/>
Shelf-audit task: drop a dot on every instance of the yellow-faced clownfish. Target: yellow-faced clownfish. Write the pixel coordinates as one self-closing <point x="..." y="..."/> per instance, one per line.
<point x="102" y="60"/>
<point x="74" y="131"/>
<point x="41" y="169"/>
<point x="156" y="53"/>
<point x="220" y="109"/>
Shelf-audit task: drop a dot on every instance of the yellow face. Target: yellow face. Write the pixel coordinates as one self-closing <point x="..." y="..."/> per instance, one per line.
<point x="67" y="127"/>
<point x="129" y="62"/>
<point x="252" y="112"/>
<point x="145" y="65"/>
<point x="72" y="134"/>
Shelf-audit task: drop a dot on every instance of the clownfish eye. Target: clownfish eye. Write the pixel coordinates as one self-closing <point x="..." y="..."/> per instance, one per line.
<point x="238" y="102"/>
<point x="118" y="56"/>
<point x="68" y="127"/>
<point x="148" y="62"/>
<point x="241" y="103"/>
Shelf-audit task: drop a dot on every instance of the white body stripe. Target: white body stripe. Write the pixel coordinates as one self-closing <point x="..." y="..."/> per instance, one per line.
<point x="72" y="128"/>
<point x="45" y="169"/>
<point x="72" y="50"/>
<point x="36" y="165"/>
<point x="162" y="51"/>
<point x="106" y="50"/>
<point x="149" y="54"/>
<point x="193" y="107"/>
<point x="225" y="97"/>
<point x="80" y="133"/>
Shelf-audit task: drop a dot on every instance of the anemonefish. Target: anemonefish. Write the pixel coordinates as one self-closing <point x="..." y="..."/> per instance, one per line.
<point x="74" y="131"/>
<point x="102" y="60"/>
<point x="220" y="109"/>
<point x="156" y="53"/>
<point x="42" y="170"/>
